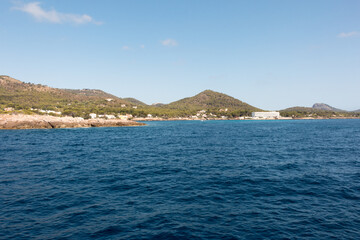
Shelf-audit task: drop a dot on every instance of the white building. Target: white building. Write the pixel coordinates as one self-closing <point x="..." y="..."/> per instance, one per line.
<point x="9" y="109"/>
<point x="49" y="111"/>
<point x="110" y="116"/>
<point x="92" y="115"/>
<point x="265" y="115"/>
<point x="123" y="117"/>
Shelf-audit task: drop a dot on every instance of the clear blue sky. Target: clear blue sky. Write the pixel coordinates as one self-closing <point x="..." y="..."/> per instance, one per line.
<point x="271" y="54"/>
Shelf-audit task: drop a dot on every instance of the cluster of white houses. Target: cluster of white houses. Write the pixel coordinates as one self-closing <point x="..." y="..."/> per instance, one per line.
<point x="265" y="115"/>
<point x="255" y="115"/>
<point x="202" y="114"/>
<point x="124" y="105"/>
<point x="110" y="116"/>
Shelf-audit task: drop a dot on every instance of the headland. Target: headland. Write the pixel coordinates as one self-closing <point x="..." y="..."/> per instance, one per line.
<point x="21" y="121"/>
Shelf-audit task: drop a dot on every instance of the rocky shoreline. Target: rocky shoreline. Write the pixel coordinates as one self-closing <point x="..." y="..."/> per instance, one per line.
<point x="20" y="121"/>
<point x="243" y="119"/>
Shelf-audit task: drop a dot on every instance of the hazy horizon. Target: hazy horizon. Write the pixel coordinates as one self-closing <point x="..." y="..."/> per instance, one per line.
<point x="272" y="55"/>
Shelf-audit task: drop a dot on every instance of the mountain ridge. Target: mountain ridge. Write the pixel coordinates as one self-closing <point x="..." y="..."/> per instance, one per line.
<point x="80" y="102"/>
<point x="30" y="98"/>
<point x="13" y="85"/>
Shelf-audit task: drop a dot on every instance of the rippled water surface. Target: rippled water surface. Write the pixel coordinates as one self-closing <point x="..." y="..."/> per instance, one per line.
<point x="183" y="180"/>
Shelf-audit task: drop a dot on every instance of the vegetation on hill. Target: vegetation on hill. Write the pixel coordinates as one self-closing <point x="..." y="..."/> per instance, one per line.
<point x="32" y="98"/>
<point x="217" y="103"/>
<point x="134" y="101"/>
<point x="300" y="112"/>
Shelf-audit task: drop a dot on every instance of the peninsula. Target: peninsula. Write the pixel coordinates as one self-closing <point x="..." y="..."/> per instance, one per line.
<point x="29" y="105"/>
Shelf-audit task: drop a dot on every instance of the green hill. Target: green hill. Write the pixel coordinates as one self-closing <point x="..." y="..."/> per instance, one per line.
<point x="34" y="98"/>
<point x="211" y="100"/>
<point x="13" y="86"/>
<point x="317" y="111"/>
<point x="26" y="96"/>
<point x="303" y="109"/>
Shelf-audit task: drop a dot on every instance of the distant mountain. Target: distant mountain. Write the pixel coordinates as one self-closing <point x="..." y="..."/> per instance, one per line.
<point x="134" y="101"/>
<point x="157" y="104"/>
<point x="211" y="100"/>
<point x="318" y="110"/>
<point x="323" y="106"/>
<point x="303" y="109"/>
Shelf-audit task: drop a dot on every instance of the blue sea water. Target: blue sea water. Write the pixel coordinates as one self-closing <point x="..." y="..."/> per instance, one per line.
<point x="296" y="179"/>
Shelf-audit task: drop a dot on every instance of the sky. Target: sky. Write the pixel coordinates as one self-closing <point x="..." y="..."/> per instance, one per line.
<point x="270" y="54"/>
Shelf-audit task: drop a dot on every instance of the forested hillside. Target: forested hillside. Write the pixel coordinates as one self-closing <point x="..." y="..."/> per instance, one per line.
<point x="30" y="98"/>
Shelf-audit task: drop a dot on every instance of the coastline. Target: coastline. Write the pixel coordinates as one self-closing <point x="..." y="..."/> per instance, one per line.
<point x="21" y="121"/>
<point x="230" y="119"/>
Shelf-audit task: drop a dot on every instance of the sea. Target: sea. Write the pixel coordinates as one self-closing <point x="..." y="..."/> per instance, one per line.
<point x="276" y="179"/>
